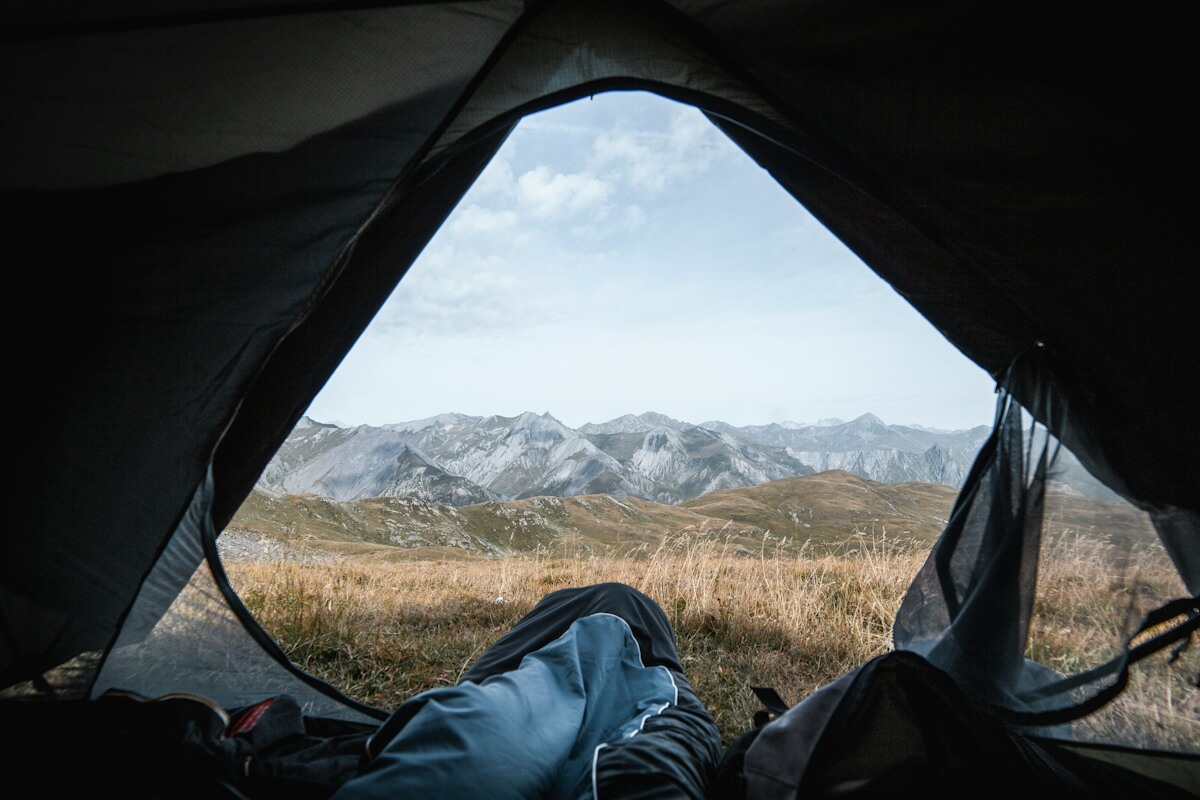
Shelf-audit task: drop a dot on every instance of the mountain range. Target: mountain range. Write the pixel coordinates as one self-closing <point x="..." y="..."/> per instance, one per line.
<point x="460" y="460"/>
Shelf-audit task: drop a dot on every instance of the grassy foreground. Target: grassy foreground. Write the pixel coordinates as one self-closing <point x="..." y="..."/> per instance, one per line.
<point x="383" y="631"/>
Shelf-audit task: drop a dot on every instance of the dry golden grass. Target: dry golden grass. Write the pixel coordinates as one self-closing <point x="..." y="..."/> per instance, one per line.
<point x="1093" y="594"/>
<point x="385" y="630"/>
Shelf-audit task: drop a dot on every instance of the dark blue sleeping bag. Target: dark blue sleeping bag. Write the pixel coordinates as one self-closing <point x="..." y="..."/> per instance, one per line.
<point x="583" y="698"/>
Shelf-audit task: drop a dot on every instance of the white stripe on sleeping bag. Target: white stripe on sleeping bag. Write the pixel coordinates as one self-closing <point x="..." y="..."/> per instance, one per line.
<point x="648" y="715"/>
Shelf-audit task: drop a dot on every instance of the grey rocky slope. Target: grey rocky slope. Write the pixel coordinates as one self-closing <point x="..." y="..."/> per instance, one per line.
<point x="456" y="459"/>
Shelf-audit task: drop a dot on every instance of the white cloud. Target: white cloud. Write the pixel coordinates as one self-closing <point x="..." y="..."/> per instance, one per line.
<point x="548" y="195"/>
<point x="597" y="268"/>
<point x="453" y="291"/>
<point x="474" y="220"/>
<point x="496" y="181"/>
<point x="651" y="161"/>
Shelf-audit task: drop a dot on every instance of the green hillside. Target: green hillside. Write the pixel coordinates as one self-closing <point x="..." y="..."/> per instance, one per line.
<point x="822" y="508"/>
<point x="830" y="507"/>
<point x="827" y="511"/>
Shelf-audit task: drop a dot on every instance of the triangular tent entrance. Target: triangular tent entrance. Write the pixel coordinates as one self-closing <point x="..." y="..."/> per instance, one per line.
<point x="214" y="201"/>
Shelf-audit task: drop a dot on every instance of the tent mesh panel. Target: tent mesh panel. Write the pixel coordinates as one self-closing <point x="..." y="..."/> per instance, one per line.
<point x="1039" y="584"/>
<point x="192" y="641"/>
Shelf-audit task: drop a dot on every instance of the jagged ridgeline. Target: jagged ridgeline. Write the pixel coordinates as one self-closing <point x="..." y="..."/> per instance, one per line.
<point x="461" y="485"/>
<point x="461" y="460"/>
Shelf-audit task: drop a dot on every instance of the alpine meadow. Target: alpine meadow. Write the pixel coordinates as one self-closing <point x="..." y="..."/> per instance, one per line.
<point x="749" y="608"/>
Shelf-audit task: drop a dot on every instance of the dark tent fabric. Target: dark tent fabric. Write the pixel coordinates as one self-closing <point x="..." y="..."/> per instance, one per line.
<point x="208" y="202"/>
<point x="898" y="726"/>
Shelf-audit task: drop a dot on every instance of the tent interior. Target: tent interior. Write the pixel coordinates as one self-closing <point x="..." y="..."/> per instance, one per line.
<point x="216" y="199"/>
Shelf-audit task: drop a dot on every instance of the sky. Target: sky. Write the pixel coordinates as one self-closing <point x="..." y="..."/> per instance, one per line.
<point x="621" y="255"/>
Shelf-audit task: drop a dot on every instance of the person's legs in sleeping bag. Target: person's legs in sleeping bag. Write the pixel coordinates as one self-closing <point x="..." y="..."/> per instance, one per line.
<point x="584" y="697"/>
